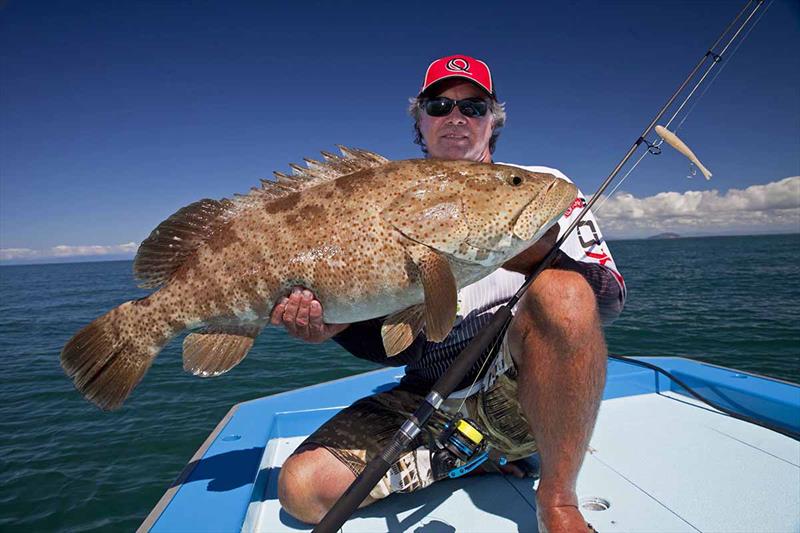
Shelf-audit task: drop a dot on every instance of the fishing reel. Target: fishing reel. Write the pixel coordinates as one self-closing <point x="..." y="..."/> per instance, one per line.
<point x="460" y="449"/>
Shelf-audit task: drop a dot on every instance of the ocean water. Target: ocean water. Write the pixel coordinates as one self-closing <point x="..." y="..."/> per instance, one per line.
<point x="64" y="465"/>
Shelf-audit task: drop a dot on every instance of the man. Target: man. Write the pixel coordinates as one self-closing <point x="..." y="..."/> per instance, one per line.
<point x="540" y="389"/>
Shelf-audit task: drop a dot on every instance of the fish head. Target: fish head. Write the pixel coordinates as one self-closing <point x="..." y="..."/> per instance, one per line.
<point x="509" y="209"/>
<point x="480" y="213"/>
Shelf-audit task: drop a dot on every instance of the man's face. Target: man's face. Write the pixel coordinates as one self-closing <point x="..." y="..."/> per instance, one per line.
<point x="455" y="136"/>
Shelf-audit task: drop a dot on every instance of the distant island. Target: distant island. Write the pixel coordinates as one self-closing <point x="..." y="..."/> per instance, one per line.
<point x="665" y="236"/>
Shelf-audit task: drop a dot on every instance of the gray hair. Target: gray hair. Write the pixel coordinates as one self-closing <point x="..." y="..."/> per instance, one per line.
<point x="496" y="109"/>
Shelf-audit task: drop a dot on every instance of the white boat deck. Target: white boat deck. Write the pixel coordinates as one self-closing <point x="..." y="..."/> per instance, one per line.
<point x="658" y="461"/>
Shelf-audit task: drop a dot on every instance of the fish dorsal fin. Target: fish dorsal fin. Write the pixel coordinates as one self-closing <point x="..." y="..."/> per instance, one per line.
<point x="316" y="172"/>
<point x="177" y="238"/>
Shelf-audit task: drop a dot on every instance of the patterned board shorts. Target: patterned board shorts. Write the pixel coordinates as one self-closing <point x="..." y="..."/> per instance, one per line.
<point x="360" y="432"/>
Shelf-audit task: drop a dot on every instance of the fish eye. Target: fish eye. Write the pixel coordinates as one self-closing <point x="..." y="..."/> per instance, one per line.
<point x="515" y="180"/>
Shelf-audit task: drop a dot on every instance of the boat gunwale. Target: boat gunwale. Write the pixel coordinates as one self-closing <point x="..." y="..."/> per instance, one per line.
<point x="729" y="369"/>
<point x="164" y="502"/>
<point x="173" y="489"/>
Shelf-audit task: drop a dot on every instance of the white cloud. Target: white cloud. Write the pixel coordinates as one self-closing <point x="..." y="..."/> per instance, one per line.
<point x="66" y="251"/>
<point x="770" y="208"/>
<point x="9" y="254"/>
<point x="63" y="250"/>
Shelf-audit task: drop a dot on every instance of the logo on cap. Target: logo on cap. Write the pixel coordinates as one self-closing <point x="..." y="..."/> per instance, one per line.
<point x="457" y="64"/>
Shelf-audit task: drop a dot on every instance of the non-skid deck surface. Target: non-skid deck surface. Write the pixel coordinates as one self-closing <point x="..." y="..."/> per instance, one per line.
<point x="659" y="462"/>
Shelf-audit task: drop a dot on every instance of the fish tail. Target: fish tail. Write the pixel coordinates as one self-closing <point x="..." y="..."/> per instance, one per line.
<point x="109" y="357"/>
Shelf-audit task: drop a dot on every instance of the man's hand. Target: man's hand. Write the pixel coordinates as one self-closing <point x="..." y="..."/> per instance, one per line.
<point x="561" y="519"/>
<point x="527" y="261"/>
<point x="301" y="314"/>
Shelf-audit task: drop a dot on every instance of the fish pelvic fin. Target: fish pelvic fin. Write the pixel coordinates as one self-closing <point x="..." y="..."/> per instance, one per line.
<point x="439" y="284"/>
<point x="400" y="329"/>
<point x="216" y="349"/>
<point x="177" y="238"/>
<point x="109" y="357"/>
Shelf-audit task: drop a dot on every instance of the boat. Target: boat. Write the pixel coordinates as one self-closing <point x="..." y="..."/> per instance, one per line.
<point x="660" y="460"/>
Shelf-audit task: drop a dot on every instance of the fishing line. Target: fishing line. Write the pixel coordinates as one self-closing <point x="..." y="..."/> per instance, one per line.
<point x="721" y="68"/>
<point x="716" y="59"/>
<point x="624" y="177"/>
<point x="377" y="467"/>
<point x="480" y="373"/>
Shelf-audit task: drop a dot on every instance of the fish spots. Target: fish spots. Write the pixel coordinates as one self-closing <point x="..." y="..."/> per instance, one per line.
<point x="324" y="253"/>
<point x="220" y="241"/>
<point x="144" y="302"/>
<point x="411" y="269"/>
<point x="315" y="215"/>
<point x="339" y="238"/>
<point x="282" y="204"/>
<point x="182" y="271"/>
<point x="481" y="186"/>
<point x="350" y="183"/>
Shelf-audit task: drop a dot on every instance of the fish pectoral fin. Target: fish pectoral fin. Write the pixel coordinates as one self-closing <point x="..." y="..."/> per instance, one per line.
<point x="216" y="349"/>
<point x="440" y="288"/>
<point x="401" y="328"/>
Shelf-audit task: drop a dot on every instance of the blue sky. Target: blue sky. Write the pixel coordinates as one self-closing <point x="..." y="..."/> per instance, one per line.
<point x="115" y="114"/>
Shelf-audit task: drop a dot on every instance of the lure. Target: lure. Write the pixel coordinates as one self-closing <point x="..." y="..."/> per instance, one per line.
<point x="675" y="141"/>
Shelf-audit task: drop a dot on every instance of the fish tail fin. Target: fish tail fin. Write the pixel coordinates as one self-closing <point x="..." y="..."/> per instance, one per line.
<point x="109" y="357"/>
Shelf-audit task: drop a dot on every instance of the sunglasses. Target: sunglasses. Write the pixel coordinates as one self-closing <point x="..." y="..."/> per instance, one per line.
<point x="442" y="106"/>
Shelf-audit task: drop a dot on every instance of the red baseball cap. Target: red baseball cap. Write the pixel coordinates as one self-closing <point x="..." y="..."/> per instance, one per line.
<point x="459" y="66"/>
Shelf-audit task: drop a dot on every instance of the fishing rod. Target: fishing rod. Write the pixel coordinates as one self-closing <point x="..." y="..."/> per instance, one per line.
<point x="376" y="468"/>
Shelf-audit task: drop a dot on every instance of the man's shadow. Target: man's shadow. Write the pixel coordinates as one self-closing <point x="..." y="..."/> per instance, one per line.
<point x="487" y="492"/>
<point x="225" y="471"/>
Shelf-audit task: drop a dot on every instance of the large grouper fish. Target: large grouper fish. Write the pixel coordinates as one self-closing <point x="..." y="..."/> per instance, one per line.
<point x="368" y="236"/>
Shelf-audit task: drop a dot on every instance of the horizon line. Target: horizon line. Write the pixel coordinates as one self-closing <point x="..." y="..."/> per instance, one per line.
<point x="96" y="259"/>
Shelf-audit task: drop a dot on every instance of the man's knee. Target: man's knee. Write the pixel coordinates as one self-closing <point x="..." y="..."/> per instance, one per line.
<point x="310" y="482"/>
<point x="559" y="309"/>
<point x="559" y="298"/>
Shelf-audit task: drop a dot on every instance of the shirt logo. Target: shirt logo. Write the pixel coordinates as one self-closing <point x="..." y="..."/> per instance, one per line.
<point x="602" y="257"/>
<point x="457" y="64"/>
<point x="578" y="203"/>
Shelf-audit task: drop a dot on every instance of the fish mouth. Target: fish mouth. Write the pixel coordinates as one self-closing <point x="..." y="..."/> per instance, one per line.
<point x="483" y="248"/>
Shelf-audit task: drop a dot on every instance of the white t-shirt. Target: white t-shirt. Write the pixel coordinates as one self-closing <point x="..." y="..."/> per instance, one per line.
<point x="478" y="302"/>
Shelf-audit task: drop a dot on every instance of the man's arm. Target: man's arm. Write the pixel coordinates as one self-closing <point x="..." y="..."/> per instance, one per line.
<point x="527" y="261"/>
<point x="301" y="314"/>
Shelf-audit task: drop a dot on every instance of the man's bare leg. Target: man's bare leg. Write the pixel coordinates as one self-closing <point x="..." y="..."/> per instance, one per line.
<point x="310" y="483"/>
<point x="557" y="343"/>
